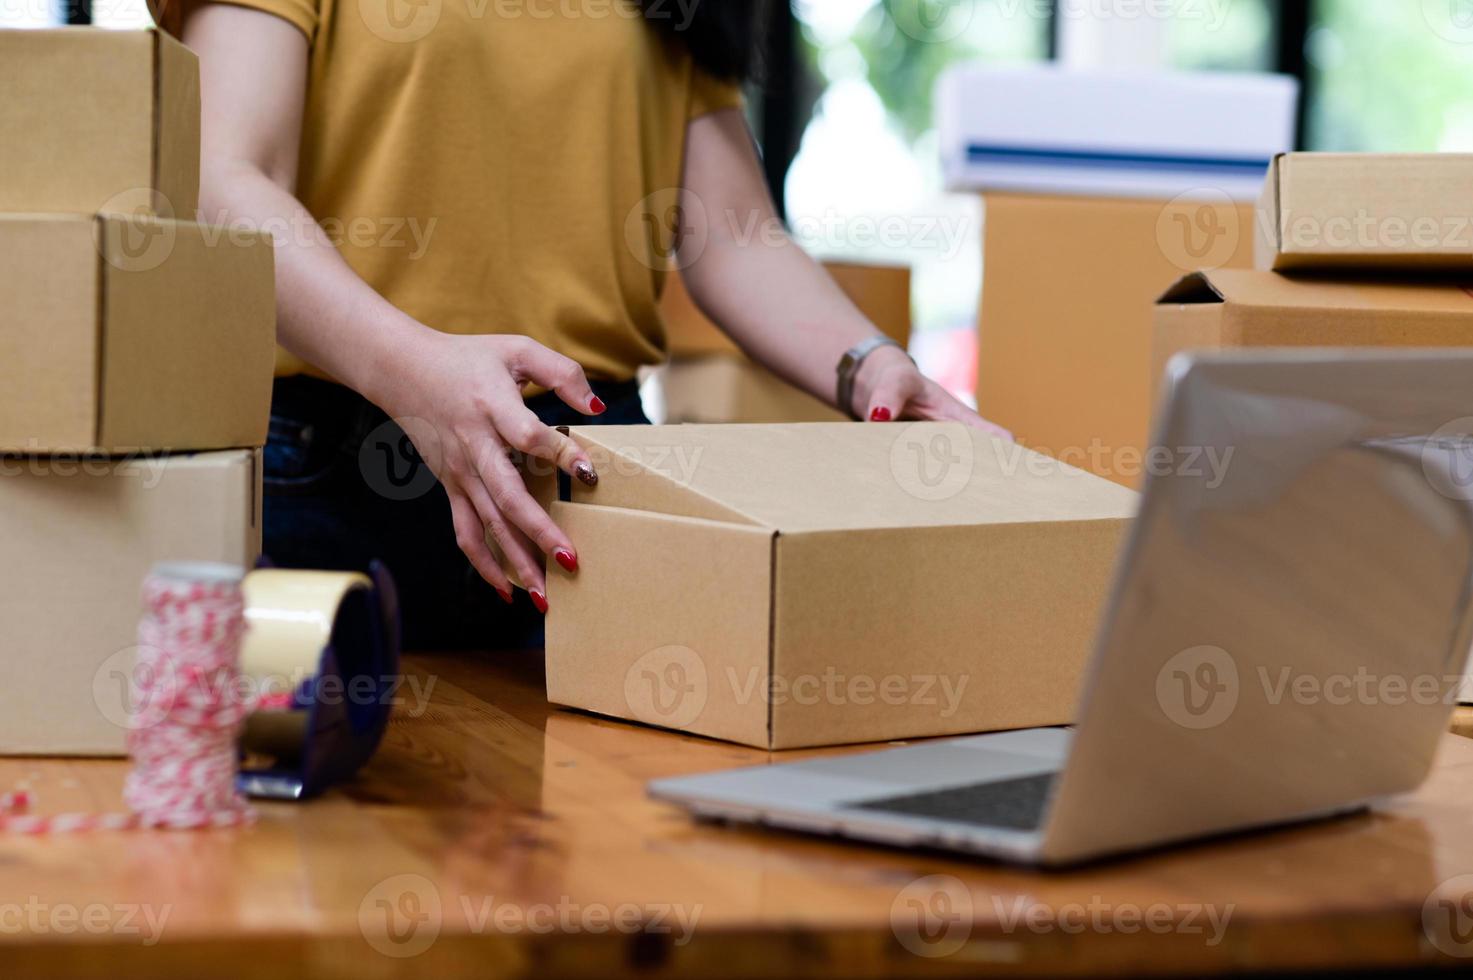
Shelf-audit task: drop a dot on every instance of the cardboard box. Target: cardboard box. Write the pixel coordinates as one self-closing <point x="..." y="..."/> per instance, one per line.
<point x="710" y="380"/>
<point x="80" y="534"/>
<point x="1336" y="211"/>
<point x="1052" y="130"/>
<point x="882" y="293"/>
<point x="1250" y="308"/>
<point x="1064" y="344"/>
<point x="99" y="120"/>
<point x="800" y="585"/>
<point x="122" y="334"/>
<point x="729" y="388"/>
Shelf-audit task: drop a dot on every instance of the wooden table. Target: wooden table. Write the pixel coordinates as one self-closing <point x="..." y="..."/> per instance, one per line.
<point x="489" y="819"/>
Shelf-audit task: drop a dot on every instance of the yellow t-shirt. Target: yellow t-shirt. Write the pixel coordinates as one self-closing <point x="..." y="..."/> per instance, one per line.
<point x="501" y="166"/>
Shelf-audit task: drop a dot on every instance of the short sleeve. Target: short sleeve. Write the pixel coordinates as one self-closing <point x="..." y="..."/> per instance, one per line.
<point x="710" y="94"/>
<point x="301" y="14"/>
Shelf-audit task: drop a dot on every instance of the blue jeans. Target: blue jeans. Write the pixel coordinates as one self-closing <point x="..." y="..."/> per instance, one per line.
<point x="344" y="486"/>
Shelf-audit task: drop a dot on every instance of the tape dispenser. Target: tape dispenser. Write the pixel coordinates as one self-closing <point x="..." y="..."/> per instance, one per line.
<point x="327" y="645"/>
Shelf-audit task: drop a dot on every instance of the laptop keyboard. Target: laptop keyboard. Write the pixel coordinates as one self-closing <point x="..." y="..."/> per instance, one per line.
<point x="1014" y="804"/>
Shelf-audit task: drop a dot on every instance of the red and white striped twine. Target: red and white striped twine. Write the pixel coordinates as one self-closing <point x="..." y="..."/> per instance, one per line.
<point x="184" y="754"/>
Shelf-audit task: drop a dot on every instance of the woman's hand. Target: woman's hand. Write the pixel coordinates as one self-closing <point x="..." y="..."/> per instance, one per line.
<point x="459" y="400"/>
<point x="889" y="388"/>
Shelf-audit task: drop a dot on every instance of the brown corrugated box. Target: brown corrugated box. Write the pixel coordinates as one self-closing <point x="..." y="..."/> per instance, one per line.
<point x="121" y="334"/>
<point x="99" y="120"/>
<point x="1249" y="308"/>
<point x="1338" y="211"/>
<point x="882" y="293"/>
<point x="1064" y="343"/>
<point x="799" y="585"/>
<point x="721" y="388"/>
<point x="80" y="534"/>
<point x="709" y="379"/>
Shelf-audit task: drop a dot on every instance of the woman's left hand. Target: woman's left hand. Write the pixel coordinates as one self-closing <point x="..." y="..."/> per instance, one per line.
<point x="890" y="388"/>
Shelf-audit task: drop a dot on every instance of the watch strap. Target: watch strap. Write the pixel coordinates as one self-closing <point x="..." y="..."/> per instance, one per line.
<point x="849" y="367"/>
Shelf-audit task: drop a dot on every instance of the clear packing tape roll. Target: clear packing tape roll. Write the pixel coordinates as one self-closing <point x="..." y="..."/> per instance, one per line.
<point x="327" y="645"/>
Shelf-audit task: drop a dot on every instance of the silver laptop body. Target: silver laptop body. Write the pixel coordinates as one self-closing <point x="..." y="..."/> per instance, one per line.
<point x="1284" y="639"/>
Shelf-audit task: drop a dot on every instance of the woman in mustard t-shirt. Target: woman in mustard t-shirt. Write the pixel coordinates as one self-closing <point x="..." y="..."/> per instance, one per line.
<point x="474" y="204"/>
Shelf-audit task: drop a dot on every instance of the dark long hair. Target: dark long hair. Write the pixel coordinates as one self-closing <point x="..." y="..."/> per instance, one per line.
<point x="724" y="37"/>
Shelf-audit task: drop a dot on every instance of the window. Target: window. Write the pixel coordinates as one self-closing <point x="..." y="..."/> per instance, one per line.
<point x="1234" y="36"/>
<point x="865" y="184"/>
<point x="1390" y="77"/>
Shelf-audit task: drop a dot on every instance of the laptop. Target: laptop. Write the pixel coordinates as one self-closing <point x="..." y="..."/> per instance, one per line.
<point x="1284" y="639"/>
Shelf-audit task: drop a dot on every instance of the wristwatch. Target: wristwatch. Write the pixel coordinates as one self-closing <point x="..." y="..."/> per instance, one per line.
<point x="849" y="367"/>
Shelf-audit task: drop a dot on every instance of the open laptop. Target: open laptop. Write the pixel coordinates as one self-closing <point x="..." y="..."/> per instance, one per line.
<point x="1284" y="640"/>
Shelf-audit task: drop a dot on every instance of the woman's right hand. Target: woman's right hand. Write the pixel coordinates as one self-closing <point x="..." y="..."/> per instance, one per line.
<point x="464" y="394"/>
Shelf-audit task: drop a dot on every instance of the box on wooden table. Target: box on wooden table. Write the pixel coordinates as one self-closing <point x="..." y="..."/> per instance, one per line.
<point x="119" y="334"/>
<point x="882" y="293"/>
<point x="1100" y="189"/>
<point x="80" y="535"/>
<point x="99" y="120"/>
<point x="799" y="585"/>
<point x="710" y="380"/>
<point x="1367" y="211"/>
<point x="722" y="388"/>
<point x="1250" y="308"/>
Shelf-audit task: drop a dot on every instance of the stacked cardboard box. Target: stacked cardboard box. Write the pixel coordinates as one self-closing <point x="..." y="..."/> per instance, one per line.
<point x="709" y="380"/>
<point x="1352" y="250"/>
<point x="136" y="352"/>
<point x="1099" y="190"/>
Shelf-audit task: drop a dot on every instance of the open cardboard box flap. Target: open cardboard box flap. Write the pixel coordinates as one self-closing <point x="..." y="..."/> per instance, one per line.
<point x="1259" y="289"/>
<point x="736" y="564"/>
<point x="842" y="476"/>
<point x="1235" y="308"/>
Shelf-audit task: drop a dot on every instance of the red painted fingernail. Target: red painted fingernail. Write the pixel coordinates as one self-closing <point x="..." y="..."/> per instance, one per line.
<point x="596" y="405"/>
<point x="540" y="601"/>
<point x="505" y="596"/>
<point x="566" y="559"/>
<point x="881" y="414"/>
